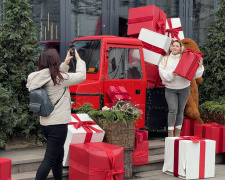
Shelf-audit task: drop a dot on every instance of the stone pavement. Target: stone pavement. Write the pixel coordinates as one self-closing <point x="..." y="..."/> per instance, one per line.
<point x="159" y="175"/>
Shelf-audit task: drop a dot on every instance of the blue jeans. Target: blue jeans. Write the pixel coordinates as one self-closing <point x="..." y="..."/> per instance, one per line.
<point x="176" y="100"/>
<point x="56" y="137"/>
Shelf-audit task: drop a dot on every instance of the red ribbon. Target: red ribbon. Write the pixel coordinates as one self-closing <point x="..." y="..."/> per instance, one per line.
<point x="118" y="91"/>
<point x="194" y="139"/>
<point x="173" y="31"/>
<point x="86" y="125"/>
<point x="153" y="48"/>
<point x="160" y="24"/>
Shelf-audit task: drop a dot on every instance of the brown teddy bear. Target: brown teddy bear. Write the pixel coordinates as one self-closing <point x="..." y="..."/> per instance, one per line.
<point x="191" y="108"/>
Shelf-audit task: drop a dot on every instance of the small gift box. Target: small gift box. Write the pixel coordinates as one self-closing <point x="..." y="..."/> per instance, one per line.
<point x="5" y="169"/>
<point x="174" y="29"/>
<point x="155" y="45"/>
<point x="149" y="17"/>
<point x="140" y="136"/>
<point x="96" y="161"/>
<point x="189" y="157"/>
<point x="212" y="131"/>
<point x="188" y="64"/>
<point x="188" y="127"/>
<point x="82" y="129"/>
<point x="140" y="154"/>
<point x="118" y="93"/>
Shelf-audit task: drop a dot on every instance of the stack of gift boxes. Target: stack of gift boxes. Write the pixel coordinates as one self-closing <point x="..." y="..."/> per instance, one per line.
<point x="141" y="151"/>
<point x="151" y="25"/>
<point x="87" y="156"/>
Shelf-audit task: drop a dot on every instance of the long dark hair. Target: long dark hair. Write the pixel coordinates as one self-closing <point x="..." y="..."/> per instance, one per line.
<point x="49" y="58"/>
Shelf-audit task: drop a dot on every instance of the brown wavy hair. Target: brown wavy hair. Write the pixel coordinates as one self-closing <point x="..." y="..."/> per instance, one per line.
<point x="49" y="58"/>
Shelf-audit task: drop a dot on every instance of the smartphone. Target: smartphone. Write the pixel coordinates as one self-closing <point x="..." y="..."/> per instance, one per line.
<point x="73" y="61"/>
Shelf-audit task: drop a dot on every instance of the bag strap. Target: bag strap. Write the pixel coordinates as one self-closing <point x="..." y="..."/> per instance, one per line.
<point x="60" y="97"/>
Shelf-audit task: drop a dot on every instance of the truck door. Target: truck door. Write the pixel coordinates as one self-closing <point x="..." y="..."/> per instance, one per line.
<point x="123" y="67"/>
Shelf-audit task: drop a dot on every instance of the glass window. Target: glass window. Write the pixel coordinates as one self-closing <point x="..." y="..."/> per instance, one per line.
<point x="89" y="51"/>
<point x="202" y="19"/>
<point x="170" y="7"/>
<point x="86" y="18"/>
<point x="124" y="64"/>
<point x="46" y="15"/>
<point x="124" y="7"/>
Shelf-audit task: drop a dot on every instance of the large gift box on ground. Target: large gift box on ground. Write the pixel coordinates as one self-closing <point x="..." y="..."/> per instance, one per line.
<point x="174" y="29"/>
<point x="155" y="45"/>
<point x="118" y="93"/>
<point x="82" y="129"/>
<point x="188" y="127"/>
<point x="189" y="158"/>
<point x="188" y="64"/>
<point x="5" y="169"/>
<point x="149" y="17"/>
<point x="95" y="161"/>
<point x="140" y="154"/>
<point x="212" y="131"/>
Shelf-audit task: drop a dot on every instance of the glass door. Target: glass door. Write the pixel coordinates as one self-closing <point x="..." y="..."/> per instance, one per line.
<point x="86" y="18"/>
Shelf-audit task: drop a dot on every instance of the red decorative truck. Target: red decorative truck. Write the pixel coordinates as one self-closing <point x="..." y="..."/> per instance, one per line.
<point x="118" y="61"/>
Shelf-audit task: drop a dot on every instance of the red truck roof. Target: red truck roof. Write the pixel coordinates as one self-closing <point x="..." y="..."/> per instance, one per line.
<point x="113" y="39"/>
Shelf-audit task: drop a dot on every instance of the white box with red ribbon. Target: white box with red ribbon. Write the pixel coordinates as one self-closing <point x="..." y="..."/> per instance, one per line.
<point x="189" y="157"/>
<point x="174" y="28"/>
<point x="155" y="45"/>
<point x="81" y="129"/>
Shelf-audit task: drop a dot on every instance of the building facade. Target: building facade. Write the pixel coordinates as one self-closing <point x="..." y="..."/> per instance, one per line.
<point x="61" y="21"/>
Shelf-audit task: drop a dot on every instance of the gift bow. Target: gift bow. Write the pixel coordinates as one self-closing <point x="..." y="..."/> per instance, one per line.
<point x="194" y="139"/>
<point x="117" y="91"/>
<point x="160" y="24"/>
<point x="173" y="31"/>
<point x="196" y="53"/>
<point x="113" y="171"/>
<point x="84" y="124"/>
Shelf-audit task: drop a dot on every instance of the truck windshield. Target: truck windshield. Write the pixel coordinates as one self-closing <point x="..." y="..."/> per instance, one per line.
<point x="89" y="51"/>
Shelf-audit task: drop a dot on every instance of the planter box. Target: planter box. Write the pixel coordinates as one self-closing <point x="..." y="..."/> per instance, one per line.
<point x="119" y="134"/>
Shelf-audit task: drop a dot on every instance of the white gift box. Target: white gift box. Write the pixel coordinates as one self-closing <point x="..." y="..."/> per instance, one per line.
<point x="176" y="25"/>
<point x="77" y="136"/>
<point x="158" y="41"/>
<point x="189" y="158"/>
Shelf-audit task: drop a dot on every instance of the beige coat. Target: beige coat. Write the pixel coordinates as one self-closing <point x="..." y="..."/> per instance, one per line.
<point x="62" y="111"/>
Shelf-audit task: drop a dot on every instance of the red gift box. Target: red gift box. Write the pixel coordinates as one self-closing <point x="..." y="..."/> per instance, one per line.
<point x="212" y="131"/>
<point x="5" y="169"/>
<point x="95" y="161"/>
<point x="140" y="154"/>
<point x="149" y="17"/>
<point x="188" y="127"/>
<point x="188" y="64"/>
<point x="152" y="74"/>
<point x="140" y="136"/>
<point x="118" y="93"/>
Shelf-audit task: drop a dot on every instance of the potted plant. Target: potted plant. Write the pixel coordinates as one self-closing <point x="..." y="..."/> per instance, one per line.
<point x="213" y="111"/>
<point x="118" y="122"/>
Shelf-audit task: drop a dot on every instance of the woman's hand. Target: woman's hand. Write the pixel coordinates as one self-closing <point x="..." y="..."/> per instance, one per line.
<point x="77" y="55"/>
<point x="200" y="62"/>
<point x="68" y="58"/>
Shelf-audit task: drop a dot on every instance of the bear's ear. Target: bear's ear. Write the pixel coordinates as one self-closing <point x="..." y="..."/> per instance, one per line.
<point x="190" y="44"/>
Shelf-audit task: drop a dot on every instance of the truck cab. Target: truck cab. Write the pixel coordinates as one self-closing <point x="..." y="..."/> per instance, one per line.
<point x="111" y="61"/>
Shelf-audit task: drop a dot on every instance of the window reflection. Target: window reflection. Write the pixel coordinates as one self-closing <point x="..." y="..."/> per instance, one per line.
<point x="86" y="18"/>
<point x="124" y="64"/>
<point x="46" y="15"/>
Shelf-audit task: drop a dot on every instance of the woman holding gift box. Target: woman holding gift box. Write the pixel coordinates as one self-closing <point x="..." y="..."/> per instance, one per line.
<point x="55" y="79"/>
<point x="177" y="88"/>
